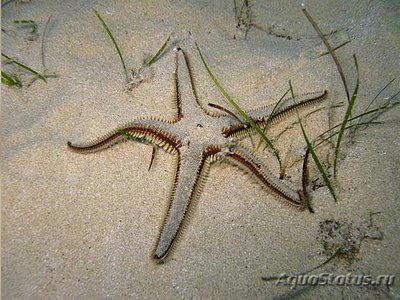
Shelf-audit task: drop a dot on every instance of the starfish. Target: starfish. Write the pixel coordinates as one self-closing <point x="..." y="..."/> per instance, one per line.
<point x="198" y="137"/>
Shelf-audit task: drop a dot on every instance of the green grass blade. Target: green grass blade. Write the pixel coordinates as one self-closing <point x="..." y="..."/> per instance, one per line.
<point x="371" y="111"/>
<point x="377" y="95"/>
<point x="25" y="67"/>
<point x="331" y="51"/>
<point x="239" y="109"/>
<point x="346" y="118"/>
<point x="114" y="42"/>
<point x="42" y="45"/>
<point x="347" y="127"/>
<point x="313" y="154"/>
<point x="271" y="115"/>
<point x="6" y="79"/>
<point x="10" y="80"/>
<point x="155" y="56"/>
<point x="386" y="106"/>
<point x="235" y="10"/>
<point x="334" y="49"/>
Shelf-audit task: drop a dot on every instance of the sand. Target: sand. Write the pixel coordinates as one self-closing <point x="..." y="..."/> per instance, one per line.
<point x="83" y="226"/>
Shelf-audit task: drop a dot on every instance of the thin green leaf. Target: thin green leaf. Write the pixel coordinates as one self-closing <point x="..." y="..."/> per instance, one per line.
<point x="271" y="115"/>
<point x="336" y="48"/>
<point x="155" y="56"/>
<point x="235" y="10"/>
<point x="385" y="106"/>
<point x="25" y="67"/>
<point x="239" y="109"/>
<point x="348" y="127"/>
<point x="10" y="80"/>
<point x="313" y="154"/>
<point x="331" y="51"/>
<point x="114" y="42"/>
<point x="346" y="118"/>
<point x="42" y="45"/>
<point x="377" y="95"/>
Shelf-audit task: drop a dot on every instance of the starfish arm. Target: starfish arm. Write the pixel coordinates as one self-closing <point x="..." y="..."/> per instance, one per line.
<point x="188" y="91"/>
<point x="149" y="131"/>
<point x="244" y="159"/>
<point x="262" y="116"/>
<point x="192" y="168"/>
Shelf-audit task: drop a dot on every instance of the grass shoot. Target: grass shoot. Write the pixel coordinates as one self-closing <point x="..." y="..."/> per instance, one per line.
<point x="25" y="67"/>
<point x="10" y="80"/>
<point x="243" y="16"/>
<point x="44" y="72"/>
<point x="312" y="152"/>
<point x="42" y="44"/>
<point x="331" y="50"/>
<point x="346" y="118"/>
<point x="271" y="115"/>
<point x="158" y="54"/>
<point x="114" y="42"/>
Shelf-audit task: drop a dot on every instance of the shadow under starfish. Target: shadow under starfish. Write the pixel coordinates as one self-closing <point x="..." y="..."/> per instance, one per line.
<point x="198" y="137"/>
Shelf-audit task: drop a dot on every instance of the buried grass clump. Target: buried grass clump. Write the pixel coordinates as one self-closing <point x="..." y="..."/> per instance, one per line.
<point x="32" y="28"/>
